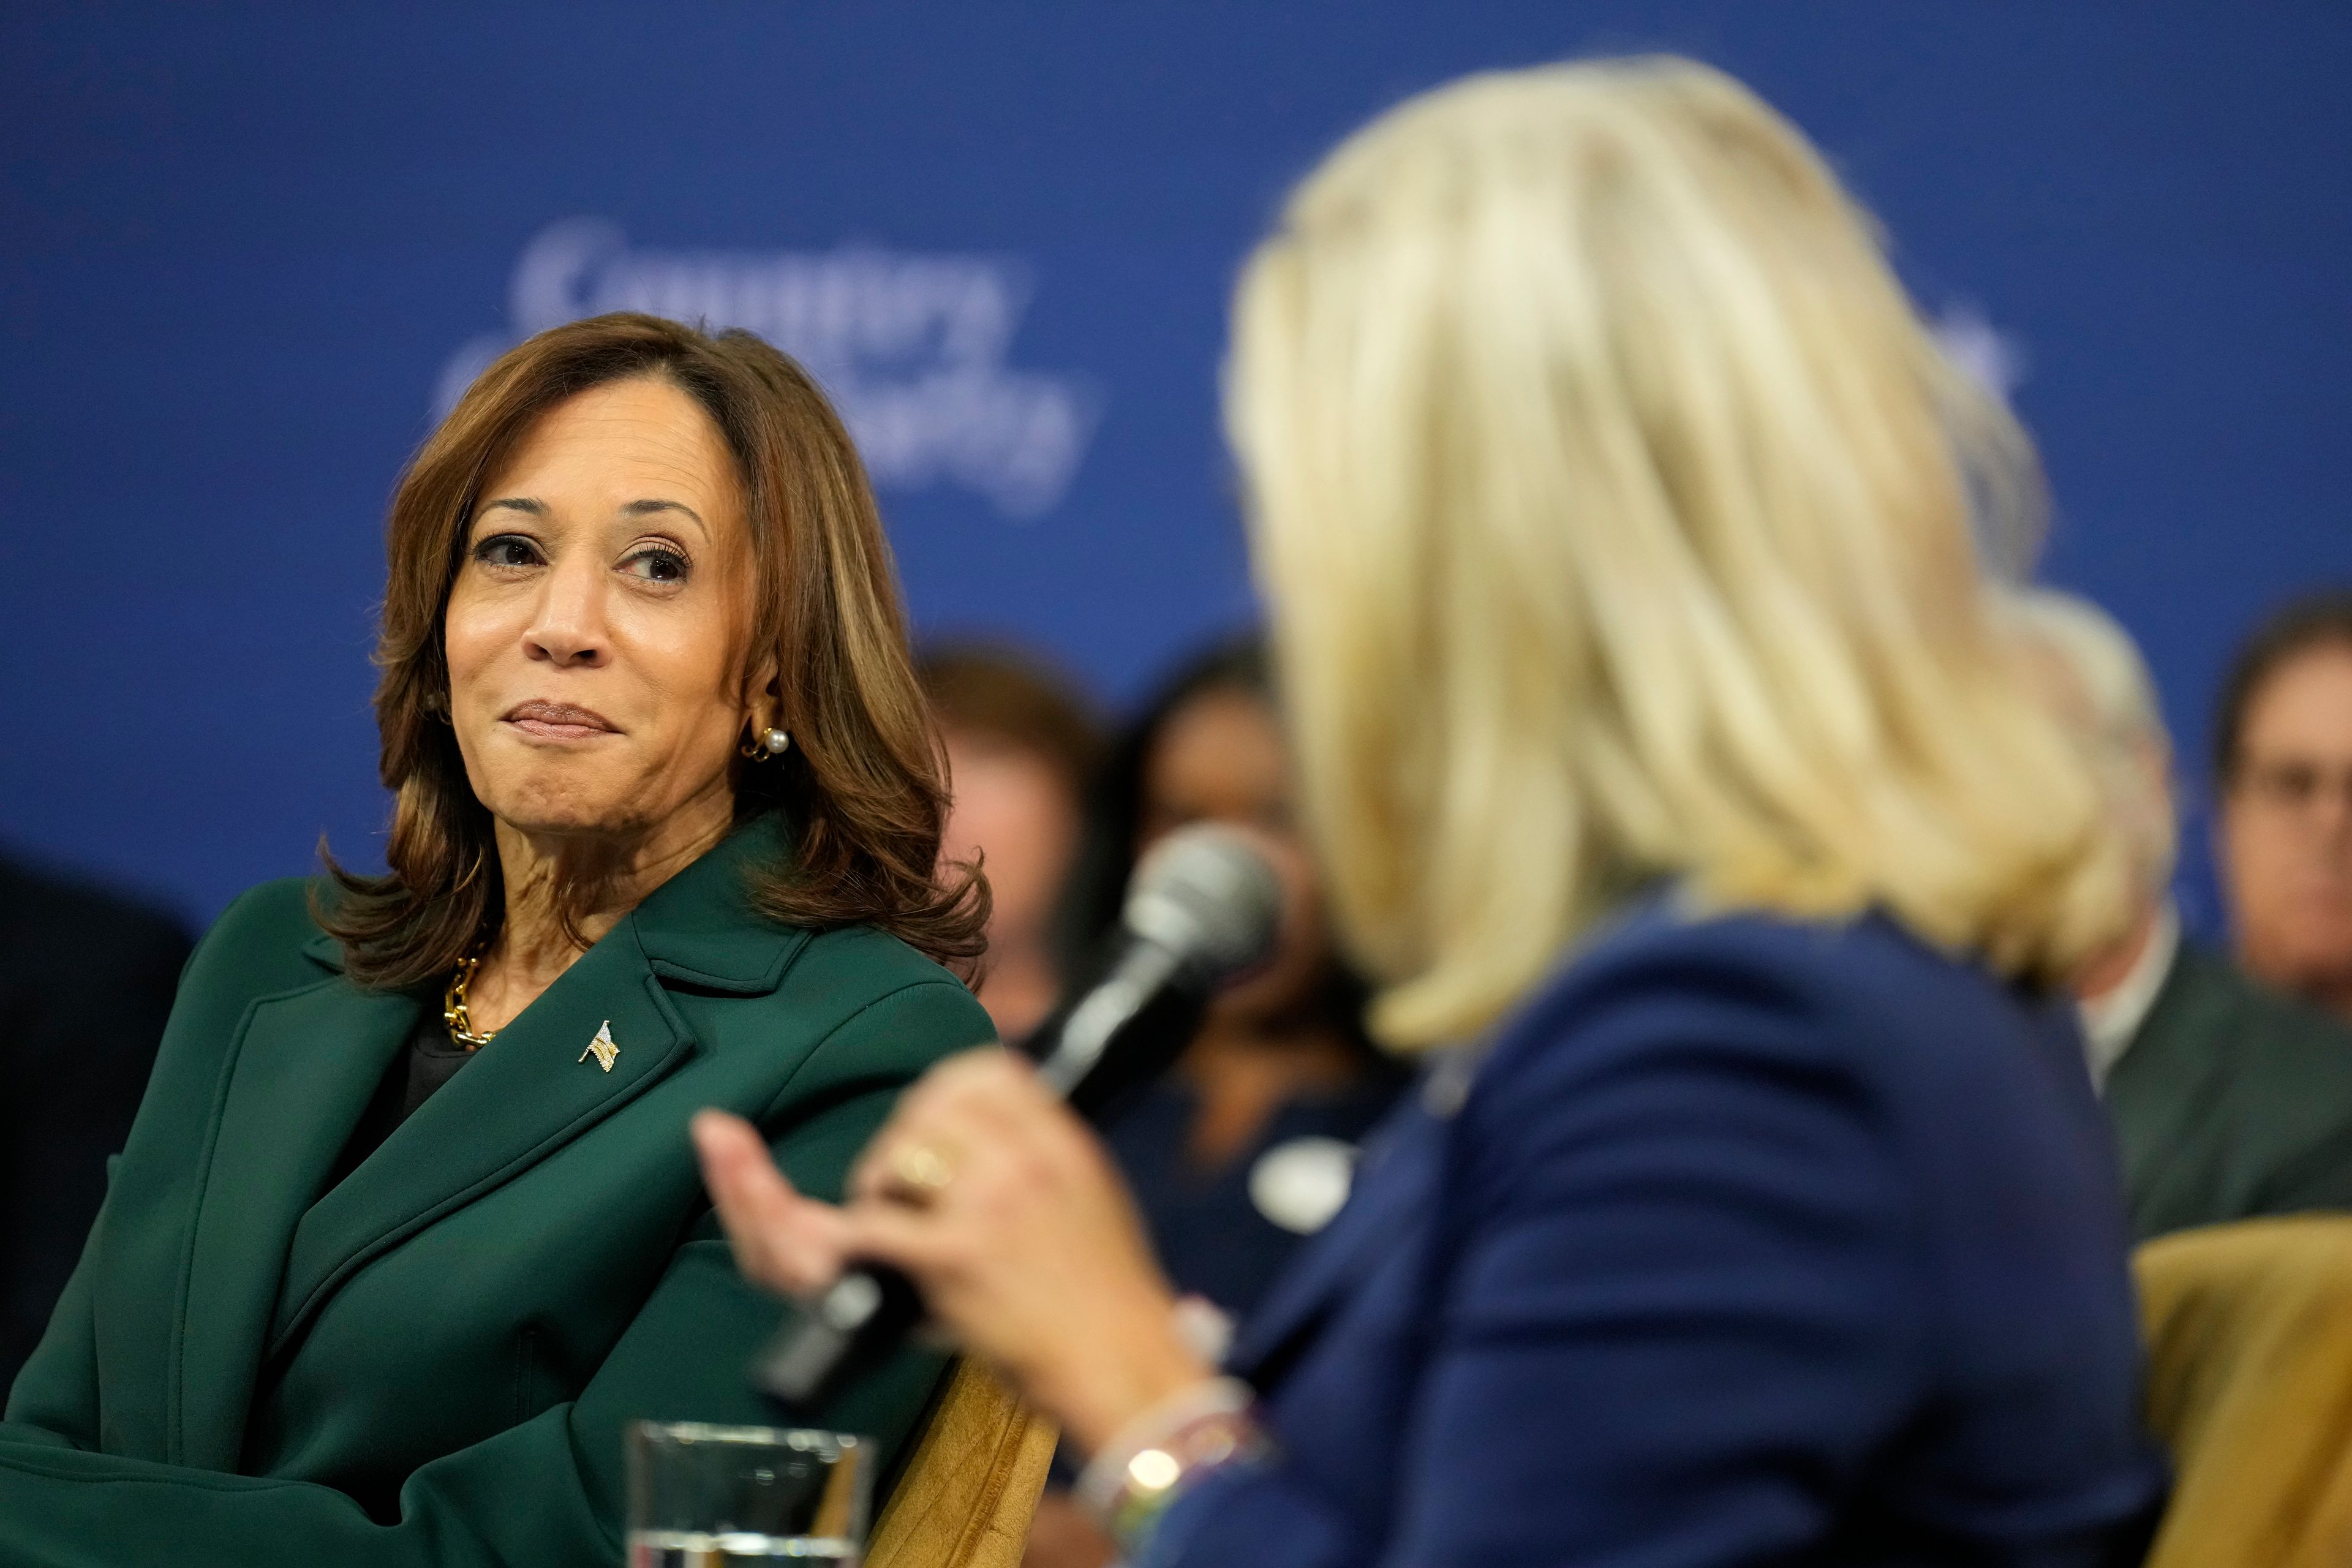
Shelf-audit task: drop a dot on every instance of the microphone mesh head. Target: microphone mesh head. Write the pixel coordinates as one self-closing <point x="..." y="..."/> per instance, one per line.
<point x="1206" y="893"/>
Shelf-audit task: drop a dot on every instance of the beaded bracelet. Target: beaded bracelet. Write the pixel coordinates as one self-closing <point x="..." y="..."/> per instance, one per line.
<point x="1136" y="1478"/>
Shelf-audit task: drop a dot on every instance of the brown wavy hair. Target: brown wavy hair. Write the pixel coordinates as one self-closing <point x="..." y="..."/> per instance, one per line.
<point x="863" y="789"/>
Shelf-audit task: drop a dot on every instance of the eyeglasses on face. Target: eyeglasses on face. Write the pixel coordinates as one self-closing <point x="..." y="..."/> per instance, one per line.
<point x="2291" y="783"/>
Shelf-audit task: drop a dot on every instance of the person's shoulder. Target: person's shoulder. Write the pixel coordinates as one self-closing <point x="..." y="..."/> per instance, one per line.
<point x="2268" y="1038"/>
<point x="2242" y="1096"/>
<point x="1728" y="1036"/>
<point x="713" y="928"/>
<point x="870" y="951"/>
<point x="815" y="1014"/>
<point x="281" y="911"/>
<point x="266" y="940"/>
<point x="263" y="945"/>
<point x="1662" y="953"/>
<point x="71" y="924"/>
<point x="2203" y="977"/>
<point x="859" y="965"/>
<point x="864" y="991"/>
<point x="1858" y="997"/>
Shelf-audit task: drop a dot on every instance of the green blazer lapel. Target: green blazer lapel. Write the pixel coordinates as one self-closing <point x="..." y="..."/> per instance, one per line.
<point x="701" y="929"/>
<point x="537" y="1087"/>
<point x="301" y="1071"/>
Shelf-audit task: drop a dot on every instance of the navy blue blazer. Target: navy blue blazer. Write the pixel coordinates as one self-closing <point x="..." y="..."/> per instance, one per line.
<point x="1749" y="1241"/>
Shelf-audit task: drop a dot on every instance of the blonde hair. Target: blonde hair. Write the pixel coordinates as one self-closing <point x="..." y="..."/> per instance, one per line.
<point x="2102" y="691"/>
<point x="1616" y="512"/>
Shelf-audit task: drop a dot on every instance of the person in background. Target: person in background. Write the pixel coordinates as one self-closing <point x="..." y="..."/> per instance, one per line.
<point x="1249" y="1145"/>
<point x="2228" y="1098"/>
<point x="2283" y="759"/>
<point x="86" y="983"/>
<point x="1671" y="777"/>
<point x="1021" y="747"/>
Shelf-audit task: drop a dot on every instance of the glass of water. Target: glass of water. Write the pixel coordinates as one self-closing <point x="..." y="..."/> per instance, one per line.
<point x="717" y="1496"/>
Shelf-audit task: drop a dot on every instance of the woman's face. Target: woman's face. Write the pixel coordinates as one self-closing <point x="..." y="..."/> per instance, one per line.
<point x="595" y="633"/>
<point x="1220" y="757"/>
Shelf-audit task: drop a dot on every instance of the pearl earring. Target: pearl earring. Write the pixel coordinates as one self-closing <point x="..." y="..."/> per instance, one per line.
<point x="773" y="742"/>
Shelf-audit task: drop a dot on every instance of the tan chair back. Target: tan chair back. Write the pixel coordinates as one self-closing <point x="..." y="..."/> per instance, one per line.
<point x="965" y="1498"/>
<point x="2248" y="1329"/>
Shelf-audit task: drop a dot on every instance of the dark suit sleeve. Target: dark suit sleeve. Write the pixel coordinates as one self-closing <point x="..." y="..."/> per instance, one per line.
<point x="1677" y="1235"/>
<point x="2318" y="1177"/>
<point x="55" y="1398"/>
<point x="2233" y="1101"/>
<point x="547" y="1493"/>
<point x="2294" y="1081"/>
<point x="92" y="987"/>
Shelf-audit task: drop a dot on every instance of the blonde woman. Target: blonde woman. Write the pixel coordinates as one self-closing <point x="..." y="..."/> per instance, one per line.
<point x="1616" y="515"/>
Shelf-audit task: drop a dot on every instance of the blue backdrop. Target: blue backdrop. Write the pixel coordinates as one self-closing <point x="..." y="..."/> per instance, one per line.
<point x="244" y="252"/>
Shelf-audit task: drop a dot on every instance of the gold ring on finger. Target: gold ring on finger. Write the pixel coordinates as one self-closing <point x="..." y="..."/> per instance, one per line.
<point x="919" y="1172"/>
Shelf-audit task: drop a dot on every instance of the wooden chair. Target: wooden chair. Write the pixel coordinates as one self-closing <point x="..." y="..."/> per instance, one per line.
<point x="966" y="1496"/>
<point x="2249" y="1328"/>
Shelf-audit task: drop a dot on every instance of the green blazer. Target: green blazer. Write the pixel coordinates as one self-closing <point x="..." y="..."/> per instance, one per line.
<point x="432" y="1362"/>
<point x="2231" y="1101"/>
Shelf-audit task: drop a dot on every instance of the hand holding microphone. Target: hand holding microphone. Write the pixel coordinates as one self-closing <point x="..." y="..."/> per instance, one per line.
<point x="986" y="1199"/>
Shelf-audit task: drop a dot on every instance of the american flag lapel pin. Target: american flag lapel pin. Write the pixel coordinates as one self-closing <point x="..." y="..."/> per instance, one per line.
<point x="602" y="1047"/>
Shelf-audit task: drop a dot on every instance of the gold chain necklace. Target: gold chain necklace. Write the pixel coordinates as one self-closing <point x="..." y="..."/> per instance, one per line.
<point x="453" y="1005"/>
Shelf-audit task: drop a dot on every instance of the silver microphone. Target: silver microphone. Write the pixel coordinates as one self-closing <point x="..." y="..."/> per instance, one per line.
<point x="1203" y="907"/>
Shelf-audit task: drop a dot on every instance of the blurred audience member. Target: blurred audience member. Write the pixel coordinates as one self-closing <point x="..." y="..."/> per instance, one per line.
<point x="2228" y="1099"/>
<point x="2282" y="752"/>
<point x="1021" y="747"/>
<point x="86" y="982"/>
<point x="1248" y="1145"/>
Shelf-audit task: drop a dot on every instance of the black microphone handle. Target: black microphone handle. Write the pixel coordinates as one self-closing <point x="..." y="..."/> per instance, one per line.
<point x="864" y="1316"/>
<point x="867" y="1313"/>
<point x="1143" y="1047"/>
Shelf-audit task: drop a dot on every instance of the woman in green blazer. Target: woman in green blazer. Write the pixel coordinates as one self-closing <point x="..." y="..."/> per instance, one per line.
<point x="409" y="1225"/>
